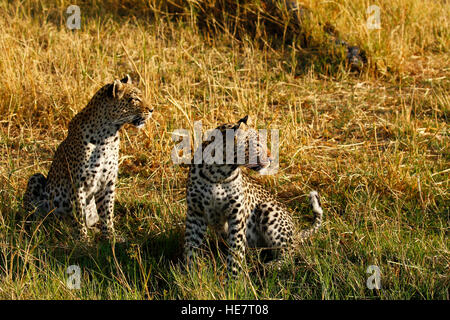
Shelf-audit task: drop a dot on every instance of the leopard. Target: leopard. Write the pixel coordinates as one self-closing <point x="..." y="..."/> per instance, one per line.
<point x="222" y="196"/>
<point x="81" y="181"/>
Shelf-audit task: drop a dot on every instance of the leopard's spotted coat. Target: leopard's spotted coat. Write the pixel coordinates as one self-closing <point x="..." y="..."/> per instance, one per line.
<point x="223" y="197"/>
<point x="84" y="169"/>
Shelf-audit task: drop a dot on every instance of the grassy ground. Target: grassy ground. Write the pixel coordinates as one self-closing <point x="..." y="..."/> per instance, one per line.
<point x="375" y="146"/>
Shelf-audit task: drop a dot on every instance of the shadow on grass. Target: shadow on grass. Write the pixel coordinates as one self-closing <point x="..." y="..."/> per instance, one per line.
<point x="44" y="248"/>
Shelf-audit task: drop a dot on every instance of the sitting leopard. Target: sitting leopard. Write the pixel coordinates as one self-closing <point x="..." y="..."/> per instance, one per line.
<point x="84" y="170"/>
<point x="222" y="196"/>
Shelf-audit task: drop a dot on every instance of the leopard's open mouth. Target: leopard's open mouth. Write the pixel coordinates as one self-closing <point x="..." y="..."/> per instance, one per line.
<point x="259" y="166"/>
<point x="255" y="167"/>
<point x="139" y="121"/>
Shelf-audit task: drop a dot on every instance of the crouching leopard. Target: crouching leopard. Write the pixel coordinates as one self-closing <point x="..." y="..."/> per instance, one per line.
<point x="81" y="180"/>
<point x="222" y="196"/>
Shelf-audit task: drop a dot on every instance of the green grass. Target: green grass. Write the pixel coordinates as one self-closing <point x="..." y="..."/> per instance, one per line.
<point x="374" y="145"/>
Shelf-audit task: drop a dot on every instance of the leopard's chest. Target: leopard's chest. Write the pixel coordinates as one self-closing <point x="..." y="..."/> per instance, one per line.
<point x="101" y="165"/>
<point x="224" y="194"/>
<point x="217" y="200"/>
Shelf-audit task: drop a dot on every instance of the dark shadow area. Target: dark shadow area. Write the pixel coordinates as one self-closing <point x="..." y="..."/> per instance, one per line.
<point x="281" y="25"/>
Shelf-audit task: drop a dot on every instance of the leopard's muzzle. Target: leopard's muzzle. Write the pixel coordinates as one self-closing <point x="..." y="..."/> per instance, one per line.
<point x="262" y="164"/>
<point x="139" y="121"/>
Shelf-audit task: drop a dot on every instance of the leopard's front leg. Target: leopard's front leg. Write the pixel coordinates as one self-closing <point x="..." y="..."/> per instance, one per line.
<point x="194" y="233"/>
<point x="236" y="240"/>
<point x="79" y="214"/>
<point x="105" y="209"/>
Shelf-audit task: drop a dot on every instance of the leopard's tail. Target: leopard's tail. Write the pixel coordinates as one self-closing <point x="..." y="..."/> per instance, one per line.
<point x="314" y="201"/>
<point x="34" y="199"/>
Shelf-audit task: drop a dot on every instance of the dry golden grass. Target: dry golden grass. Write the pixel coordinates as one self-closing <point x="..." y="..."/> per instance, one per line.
<point x="375" y="145"/>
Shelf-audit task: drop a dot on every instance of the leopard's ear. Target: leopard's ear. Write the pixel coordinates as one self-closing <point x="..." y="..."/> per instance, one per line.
<point x="127" y="79"/>
<point x="243" y="120"/>
<point x="116" y="89"/>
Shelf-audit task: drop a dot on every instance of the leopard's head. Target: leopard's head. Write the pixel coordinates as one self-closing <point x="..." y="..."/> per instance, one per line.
<point x="126" y="103"/>
<point x="241" y="146"/>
